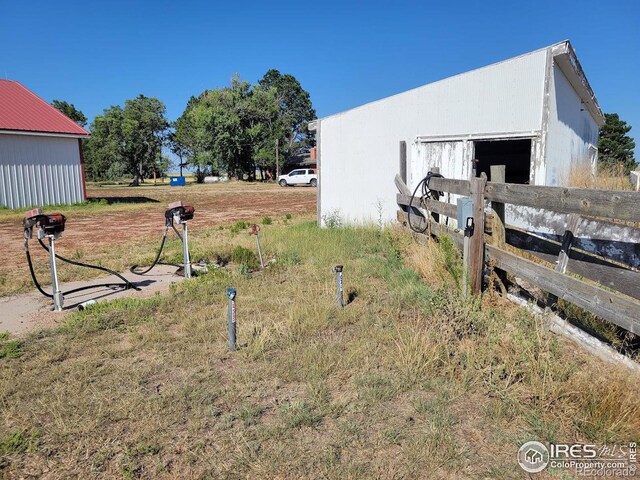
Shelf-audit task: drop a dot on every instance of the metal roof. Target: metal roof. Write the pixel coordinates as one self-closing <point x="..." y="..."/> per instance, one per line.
<point x="22" y="111"/>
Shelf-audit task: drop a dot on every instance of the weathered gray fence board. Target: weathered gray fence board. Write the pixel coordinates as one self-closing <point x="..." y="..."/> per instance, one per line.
<point x="615" y="204"/>
<point x="616" y="308"/>
<point x="435" y="206"/>
<point x="588" y="266"/>
<point x="458" y="187"/>
<point x="436" y="228"/>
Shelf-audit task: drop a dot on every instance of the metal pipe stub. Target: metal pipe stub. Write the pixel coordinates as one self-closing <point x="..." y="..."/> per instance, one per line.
<point x="339" y="296"/>
<point x="255" y="230"/>
<point x="231" y="318"/>
<point x="180" y="213"/>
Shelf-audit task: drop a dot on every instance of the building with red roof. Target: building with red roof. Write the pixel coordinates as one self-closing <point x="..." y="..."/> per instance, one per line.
<point x="41" y="159"/>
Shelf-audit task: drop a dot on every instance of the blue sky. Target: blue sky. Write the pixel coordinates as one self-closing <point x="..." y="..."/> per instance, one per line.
<point x="344" y="53"/>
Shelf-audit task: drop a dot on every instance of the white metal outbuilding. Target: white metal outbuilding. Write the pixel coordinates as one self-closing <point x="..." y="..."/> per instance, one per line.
<point x="535" y="113"/>
<point x="40" y="151"/>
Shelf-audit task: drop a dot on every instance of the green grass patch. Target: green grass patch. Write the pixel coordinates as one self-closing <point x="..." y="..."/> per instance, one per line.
<point x="17" y="442"/>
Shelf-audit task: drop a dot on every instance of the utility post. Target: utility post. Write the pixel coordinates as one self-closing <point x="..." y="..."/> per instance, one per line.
<point x="277" y="159"/>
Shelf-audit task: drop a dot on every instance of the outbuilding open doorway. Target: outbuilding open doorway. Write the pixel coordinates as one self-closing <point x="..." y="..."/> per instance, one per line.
<point x="514" y="154"/>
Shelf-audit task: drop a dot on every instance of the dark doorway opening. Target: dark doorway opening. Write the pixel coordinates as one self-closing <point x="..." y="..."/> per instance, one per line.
<point x="514" y="154"/>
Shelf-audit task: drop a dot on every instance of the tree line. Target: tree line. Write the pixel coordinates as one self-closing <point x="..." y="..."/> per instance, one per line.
<point x="236" y="129"/>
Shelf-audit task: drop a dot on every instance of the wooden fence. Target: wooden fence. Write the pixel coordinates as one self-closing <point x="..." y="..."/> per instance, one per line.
<point x="488" y="242"/>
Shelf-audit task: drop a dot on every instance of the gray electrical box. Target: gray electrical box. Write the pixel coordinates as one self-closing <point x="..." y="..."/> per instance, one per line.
<point x="465" y="210"/>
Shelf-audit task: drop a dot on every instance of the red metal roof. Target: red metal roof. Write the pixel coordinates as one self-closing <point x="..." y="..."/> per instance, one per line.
<point x="23" y="110"/>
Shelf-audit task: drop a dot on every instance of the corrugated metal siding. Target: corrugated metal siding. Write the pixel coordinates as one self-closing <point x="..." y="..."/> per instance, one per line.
<point x="359" y="147"/>
<point x="571" y="131"/>
<point x="38" y="171"/>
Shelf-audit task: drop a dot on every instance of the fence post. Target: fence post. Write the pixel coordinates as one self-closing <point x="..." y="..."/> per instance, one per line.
<point x="563" y="257"/>
<point x="475" y="260"/>
<point x="403" y="161"/>
<point x="498" y="175"/>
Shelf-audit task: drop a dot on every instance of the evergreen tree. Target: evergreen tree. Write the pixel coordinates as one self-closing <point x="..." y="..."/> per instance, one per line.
<point x="616" y="146"/>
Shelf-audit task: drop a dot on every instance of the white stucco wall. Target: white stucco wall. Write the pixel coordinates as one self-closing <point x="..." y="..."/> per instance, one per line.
<point x="39" y="170"/>
<point x="359" y="148"/>
<point x="571" y="131"/>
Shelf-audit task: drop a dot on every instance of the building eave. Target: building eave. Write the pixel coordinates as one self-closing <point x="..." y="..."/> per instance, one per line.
<point x="42" y="134"/>
<point x="565" y="57"/>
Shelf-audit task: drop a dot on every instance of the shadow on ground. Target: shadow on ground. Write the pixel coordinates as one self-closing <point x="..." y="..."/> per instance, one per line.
<point x="114" y="200"/>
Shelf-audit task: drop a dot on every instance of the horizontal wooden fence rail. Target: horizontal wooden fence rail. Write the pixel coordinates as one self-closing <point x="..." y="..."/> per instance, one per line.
<point x="610" y="305"/>
<point x="443" y="208"/>
<point x="615" y="204"/>
<point x="619" y="309"/>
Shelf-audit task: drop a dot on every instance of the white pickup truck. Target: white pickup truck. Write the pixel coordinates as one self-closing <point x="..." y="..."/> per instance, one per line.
<point x="301" y="176"/>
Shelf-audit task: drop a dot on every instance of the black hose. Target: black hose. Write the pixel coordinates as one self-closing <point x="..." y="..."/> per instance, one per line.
<point x="126" y="283"/>
<point x="33" y="274"/>
<point x="426" y="193"/>
<point x="87" y="287"/>
<point x="155" y="261"/>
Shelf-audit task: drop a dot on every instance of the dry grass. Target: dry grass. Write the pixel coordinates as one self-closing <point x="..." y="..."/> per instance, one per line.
<point x="406" y="379"/>
<point x="606" y="178"/>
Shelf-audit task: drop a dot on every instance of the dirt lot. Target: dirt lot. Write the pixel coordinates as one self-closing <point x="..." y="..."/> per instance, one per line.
<point x="136" y="215"/>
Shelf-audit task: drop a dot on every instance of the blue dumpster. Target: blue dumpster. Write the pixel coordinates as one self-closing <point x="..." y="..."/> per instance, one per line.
<point x="177" y="181"/>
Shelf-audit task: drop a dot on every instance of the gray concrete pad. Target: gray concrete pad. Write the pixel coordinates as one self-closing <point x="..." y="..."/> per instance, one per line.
<point x="30" y="311"/>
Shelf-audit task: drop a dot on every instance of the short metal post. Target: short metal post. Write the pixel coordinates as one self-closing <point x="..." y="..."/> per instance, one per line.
<point x="185" y="251"/>
<point x="58" y="299"/>
<point x="259" y="250"/>
<point x="255" y="230"/>
<point x="231" y="318"/>
<point x="338" y="271"/>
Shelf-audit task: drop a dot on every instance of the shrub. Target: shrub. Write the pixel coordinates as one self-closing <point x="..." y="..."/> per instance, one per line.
<point x="244" y="257"/>
<point x="266" y="221"/>
<point x="238" y="226"/>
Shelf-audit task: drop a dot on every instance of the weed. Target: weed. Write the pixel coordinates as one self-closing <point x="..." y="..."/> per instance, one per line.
<point x="249" y="414"/>
<point x="298" y="414"/>
<point x="332" y="219"/>
<point x="289" y="257"/>
<point x="243" y="256"/>
<point x="267" y="220"/>
<point x="375" y="387"/>
<point x="379" y="206"/>
<point x="605" y="178"/>
<point x="238" y="226"/>
<point x="288" y="216"/>
<point x="10" y="349"/>
<point x="18" y="442"/>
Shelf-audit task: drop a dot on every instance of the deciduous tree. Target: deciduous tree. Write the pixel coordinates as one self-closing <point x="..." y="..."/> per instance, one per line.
<point x="70" y="111"/>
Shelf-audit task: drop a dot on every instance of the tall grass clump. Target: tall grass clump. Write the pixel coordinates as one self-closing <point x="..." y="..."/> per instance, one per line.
<point x="604" y="178"/>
